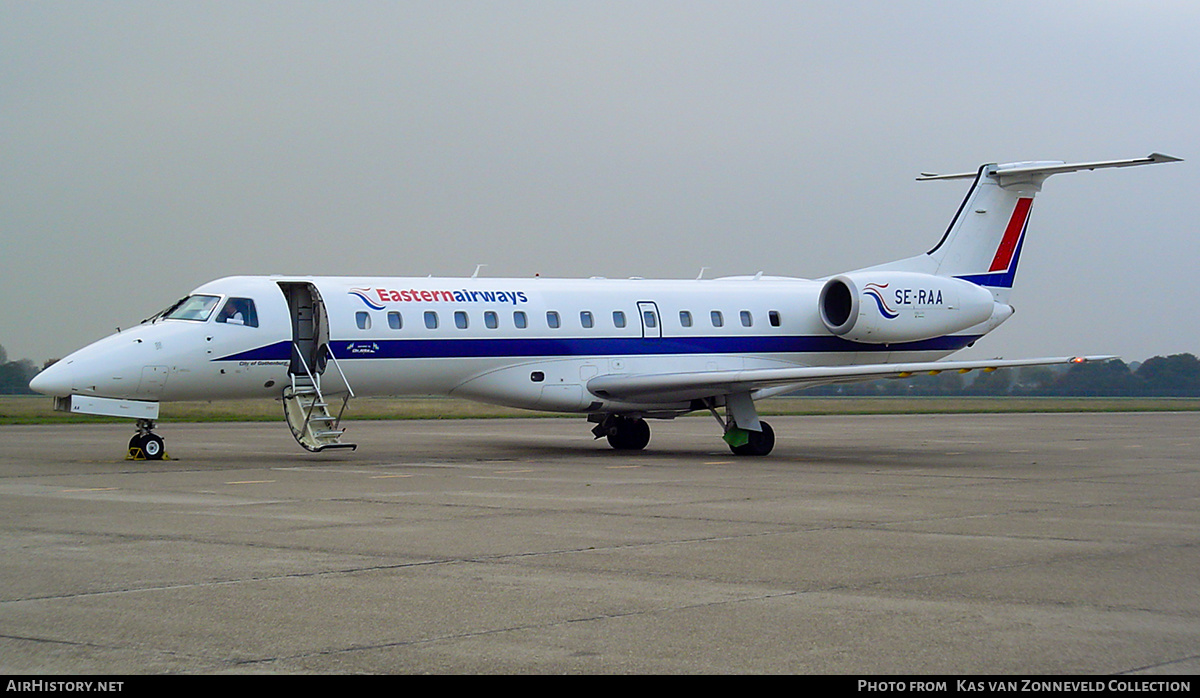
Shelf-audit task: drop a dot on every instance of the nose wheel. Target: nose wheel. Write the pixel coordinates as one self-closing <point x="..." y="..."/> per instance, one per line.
<point x="145" y="444"/>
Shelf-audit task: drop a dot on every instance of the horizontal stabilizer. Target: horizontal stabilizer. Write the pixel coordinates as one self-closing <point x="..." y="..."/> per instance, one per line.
<point x="673" y="387"/>
<point x="1046" y="169"/>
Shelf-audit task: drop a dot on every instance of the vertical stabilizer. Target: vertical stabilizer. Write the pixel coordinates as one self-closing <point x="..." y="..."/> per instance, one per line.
<point x="984" y="241"/>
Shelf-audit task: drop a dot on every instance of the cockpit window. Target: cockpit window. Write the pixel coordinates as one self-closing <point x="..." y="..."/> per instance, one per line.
<point x="196" y="308"/>
<point x="238" y="311"/>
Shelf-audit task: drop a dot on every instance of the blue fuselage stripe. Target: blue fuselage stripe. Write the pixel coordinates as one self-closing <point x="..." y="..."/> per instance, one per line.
<point x="607" y="346"/>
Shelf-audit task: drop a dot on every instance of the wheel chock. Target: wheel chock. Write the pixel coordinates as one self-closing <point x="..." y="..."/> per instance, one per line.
<point x="736" y="437"/>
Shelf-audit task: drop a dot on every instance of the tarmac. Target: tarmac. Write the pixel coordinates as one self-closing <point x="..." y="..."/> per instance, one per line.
<point x="1031" y="544"/>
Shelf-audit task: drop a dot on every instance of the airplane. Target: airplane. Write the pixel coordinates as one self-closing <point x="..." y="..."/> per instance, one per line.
<point x="616" y="351"/>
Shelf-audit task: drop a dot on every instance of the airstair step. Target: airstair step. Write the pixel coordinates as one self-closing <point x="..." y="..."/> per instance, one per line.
<point x="306" y="409"/>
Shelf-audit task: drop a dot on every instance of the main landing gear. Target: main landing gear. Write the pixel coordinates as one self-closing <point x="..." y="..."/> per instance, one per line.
<point x="633" y="434"/>
<point x="744" y="432"/>
<point x="624" y="433"/>
<point x="744" y="442"/>
<point x="145" y="444"/>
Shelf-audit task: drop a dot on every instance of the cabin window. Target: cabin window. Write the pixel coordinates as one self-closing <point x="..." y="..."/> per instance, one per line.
<point x="717" y="319"/>
<point x="196" y="308"/>
<point x="238" y="311"/>
<point x="363" y="319"/>
<point x="520" y="320"/>
<point x="586" y="319"/>
<point x="618" y="318"/>
<point x="649" y="319"/>
<point x="460" y="319"/>
<point x="552" y="319"/>
<point x="685" y="318"/>
<point x="431" y="319"/>
<point x="490" y="319"/>
<point x="394" y="320"/>
<point x="773" y="316"/>
<point x="747" y="318"/>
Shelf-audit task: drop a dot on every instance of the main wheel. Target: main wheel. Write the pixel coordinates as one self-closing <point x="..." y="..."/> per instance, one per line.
<point x="760" y="444"/>
<point x="627" y="434"/>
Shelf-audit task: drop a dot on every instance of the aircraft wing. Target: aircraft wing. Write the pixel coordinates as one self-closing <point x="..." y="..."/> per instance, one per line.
<point x="673" y="387"/>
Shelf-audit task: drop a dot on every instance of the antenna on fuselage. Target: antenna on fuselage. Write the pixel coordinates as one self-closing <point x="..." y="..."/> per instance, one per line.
<point x="477" y="268"/>
<point x="701" y="274"/>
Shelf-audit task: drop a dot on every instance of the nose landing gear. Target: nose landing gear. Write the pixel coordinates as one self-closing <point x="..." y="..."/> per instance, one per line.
<point x="145" y="444"/>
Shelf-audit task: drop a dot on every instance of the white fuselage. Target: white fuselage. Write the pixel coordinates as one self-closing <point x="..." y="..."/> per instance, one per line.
<point x="531" y="343"/>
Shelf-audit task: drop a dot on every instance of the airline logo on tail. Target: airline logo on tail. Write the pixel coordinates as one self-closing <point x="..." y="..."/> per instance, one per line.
<point x="1003" y="268"/>
<point x="1006" y="254"/>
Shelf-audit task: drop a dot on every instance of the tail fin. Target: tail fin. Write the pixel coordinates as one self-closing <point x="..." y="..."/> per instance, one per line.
<point x="983" y="243"/>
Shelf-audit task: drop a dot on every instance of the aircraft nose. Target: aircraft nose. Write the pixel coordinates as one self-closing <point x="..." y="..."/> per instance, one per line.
<point x="55" y="380"/>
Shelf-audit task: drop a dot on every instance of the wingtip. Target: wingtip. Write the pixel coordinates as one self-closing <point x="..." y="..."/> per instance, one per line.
<point x="1092" y="359"/>
<point x="1160" y="157"/>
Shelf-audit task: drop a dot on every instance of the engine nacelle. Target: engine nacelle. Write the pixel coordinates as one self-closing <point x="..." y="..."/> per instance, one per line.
<point x="895" y="306"/>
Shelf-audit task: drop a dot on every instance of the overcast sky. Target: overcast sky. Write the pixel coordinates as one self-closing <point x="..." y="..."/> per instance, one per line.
<point x="148" y="147"/>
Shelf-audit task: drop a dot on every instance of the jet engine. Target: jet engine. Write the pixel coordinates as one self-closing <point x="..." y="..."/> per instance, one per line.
<point x="885" y="307"/>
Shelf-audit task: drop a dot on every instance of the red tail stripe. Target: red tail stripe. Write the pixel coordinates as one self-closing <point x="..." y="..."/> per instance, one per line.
<point x="1012" y="234"/>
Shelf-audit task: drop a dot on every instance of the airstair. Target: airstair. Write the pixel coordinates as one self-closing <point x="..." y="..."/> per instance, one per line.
<point x="306" y="406"/>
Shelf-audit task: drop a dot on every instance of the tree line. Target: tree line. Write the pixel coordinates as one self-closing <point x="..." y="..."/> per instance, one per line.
<point x="15" y="375"/>
<point x="1177" y="375"/>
